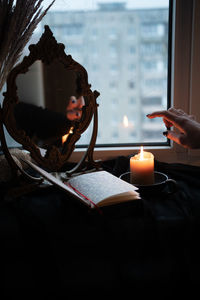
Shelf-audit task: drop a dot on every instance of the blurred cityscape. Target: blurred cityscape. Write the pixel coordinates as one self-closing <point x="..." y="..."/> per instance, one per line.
<point x="125" y="53"/>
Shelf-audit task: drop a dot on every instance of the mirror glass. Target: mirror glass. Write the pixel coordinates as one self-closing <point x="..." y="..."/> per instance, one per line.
<point x="50" y="103"/>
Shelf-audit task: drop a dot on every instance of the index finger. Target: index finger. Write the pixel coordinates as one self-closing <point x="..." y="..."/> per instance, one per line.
<point x="170" y="117"/>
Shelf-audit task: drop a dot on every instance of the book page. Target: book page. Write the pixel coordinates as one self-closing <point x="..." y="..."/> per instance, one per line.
<point x="100" y="185"/>
<point x="92" y="188"/>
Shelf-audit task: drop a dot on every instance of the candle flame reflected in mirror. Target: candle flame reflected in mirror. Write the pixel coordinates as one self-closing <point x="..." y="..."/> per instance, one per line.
<point x="141" y="153"/>
<point x="65" y="137"/>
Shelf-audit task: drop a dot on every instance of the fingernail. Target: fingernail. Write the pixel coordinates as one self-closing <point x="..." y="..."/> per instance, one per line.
<point x="165" y="133"/>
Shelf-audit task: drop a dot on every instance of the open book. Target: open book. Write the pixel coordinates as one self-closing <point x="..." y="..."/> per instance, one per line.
<point x="95" y="189"/>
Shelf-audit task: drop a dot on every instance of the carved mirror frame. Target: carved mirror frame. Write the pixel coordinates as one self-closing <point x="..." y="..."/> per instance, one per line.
<point x="48" y="50"/>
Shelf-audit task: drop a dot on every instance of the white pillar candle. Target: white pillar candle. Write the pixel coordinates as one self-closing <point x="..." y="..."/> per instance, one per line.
<point x="142" y="168"/>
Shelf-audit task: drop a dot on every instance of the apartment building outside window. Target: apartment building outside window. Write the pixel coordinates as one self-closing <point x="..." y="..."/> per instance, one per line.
<point x="115" y="50"/>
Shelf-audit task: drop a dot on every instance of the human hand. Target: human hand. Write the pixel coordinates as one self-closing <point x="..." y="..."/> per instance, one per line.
<point x="188" y="134"/>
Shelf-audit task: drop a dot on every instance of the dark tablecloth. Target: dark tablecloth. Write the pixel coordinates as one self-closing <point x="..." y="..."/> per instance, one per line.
<point x="52" y="243"/>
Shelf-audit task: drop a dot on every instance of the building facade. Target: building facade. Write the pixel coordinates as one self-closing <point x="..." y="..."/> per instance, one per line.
<point x="125" y="53"/>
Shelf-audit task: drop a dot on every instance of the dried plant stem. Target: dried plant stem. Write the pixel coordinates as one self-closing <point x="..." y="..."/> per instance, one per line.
<point x="18" y="20"/>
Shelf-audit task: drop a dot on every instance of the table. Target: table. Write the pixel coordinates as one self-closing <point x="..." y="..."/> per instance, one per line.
<point x="51" y="242"/>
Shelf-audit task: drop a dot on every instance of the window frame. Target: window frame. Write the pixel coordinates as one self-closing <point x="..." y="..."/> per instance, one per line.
<point x="185" y="87"/>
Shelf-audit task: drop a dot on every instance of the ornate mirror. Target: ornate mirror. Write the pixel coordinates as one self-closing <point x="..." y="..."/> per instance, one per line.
<point x="49" y="125"/>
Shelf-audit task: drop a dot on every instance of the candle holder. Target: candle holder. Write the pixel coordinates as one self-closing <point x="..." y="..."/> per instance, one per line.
<point x="161" y="181"/>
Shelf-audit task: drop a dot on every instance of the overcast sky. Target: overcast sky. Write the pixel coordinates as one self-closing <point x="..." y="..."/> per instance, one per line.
<point x="92" y="4"/>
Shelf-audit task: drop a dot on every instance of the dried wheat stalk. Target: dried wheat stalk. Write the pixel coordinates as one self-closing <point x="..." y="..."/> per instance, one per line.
<point x="18" y="20"/>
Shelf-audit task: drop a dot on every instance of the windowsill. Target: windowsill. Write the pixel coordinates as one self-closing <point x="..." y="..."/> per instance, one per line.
<point x="169" y="154"/>
<point x="105" y="153"/>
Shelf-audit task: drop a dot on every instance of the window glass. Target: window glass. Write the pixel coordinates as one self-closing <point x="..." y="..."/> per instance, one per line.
<point x="124" y="48"/>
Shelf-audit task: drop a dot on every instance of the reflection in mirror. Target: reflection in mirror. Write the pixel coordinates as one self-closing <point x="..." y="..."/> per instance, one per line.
<point x="48" y="107"/>
<point x="74" y="108"/>
<point x="48" y="96"/>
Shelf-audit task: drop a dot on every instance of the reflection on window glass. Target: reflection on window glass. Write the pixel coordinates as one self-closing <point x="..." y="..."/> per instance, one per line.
<point x="126" y="41"/>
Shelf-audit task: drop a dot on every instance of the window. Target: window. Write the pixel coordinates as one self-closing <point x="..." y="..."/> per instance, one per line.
<point x="131" y="84"/>
<point x="131" y="31"/>
<point x="167" y="75"/>
<point x="149" y="30"/>
<point x="113" y="84"/>
<point x="185" y="65"/>
<point x="114" y="69"/>
<point x="131" y="67"/>
<point x="152" y="48"/>
<point x="155" y="83"/>
<point x="113" y="50"/>
<point x="112" y="33"/>
<point x="132" y="50"/>
<point x="153" y="65"/>
<point x="119" y="55"/>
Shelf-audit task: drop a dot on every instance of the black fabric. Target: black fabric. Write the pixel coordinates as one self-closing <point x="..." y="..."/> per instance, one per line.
<point x="52" y="243"/>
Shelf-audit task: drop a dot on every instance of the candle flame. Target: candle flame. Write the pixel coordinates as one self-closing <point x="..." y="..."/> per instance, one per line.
<point x="65" y="137"/>
<point x="125" y="121"/>
<point x="141" y="153"/>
